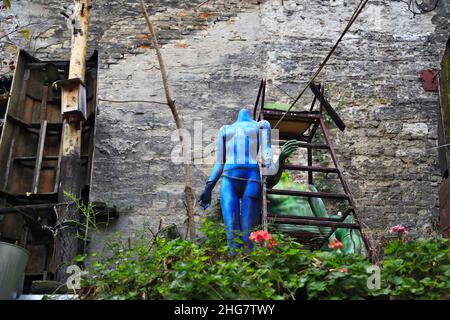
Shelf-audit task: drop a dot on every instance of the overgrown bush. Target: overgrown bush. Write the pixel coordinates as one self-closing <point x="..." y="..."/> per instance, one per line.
<point x="180" y="269"/>
<point x="417" y="269"/>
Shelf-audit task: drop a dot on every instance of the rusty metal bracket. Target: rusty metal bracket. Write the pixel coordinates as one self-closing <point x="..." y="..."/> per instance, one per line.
<point x="429" y="80"/>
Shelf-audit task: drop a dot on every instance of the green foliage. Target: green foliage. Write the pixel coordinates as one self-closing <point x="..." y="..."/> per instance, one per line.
<point x="336" y="276"/>
<point x="85" y="225"/>
<point x="181" y="269"/>
<point x="417" y="269"/>
<point x="6" y="4"/>
<point x="25" y="33"/>
<point x="159" y="268"/>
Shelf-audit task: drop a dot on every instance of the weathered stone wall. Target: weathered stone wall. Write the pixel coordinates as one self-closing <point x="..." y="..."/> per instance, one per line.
<point x="215" y="56"/>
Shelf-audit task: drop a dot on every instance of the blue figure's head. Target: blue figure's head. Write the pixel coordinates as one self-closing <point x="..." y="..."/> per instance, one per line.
<point x="244" y="115"/>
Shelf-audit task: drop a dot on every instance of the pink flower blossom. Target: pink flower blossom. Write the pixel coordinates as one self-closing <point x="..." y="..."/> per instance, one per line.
<point x="343" y="270"/>
<point x="401" y="229"/>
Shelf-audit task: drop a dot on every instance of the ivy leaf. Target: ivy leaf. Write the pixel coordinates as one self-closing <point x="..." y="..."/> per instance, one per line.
<point x="317" y="286"/>
<point x="80" y="257"/>
<point x="7" y="4"/>
<point x="25" y="33"/>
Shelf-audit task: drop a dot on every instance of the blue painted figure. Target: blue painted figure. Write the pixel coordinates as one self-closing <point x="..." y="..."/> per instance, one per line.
<point x="240" y="191"/>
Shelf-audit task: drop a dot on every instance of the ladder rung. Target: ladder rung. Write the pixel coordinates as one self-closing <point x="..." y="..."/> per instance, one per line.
<point x="292" y="115"/>
<point x="30" y="165"/>
<point x="310" y="168"/>
<point x="34" y="158"/>
<point x="337" y="219"/>
<point x="22" y="208"/>
<point x="54" y="126"/>
<point x="314" y="146"/>
<point x="294" y="136"/>
<point x="306" y="222"/>
<point x="308" y="145"/>
<point x="58" y="64"/>
<point x="30" y="196"/>
<point x="308" y="194"/>
<point x="49" y="132"/>
<point x="45" y="158"/>
<point x="34" y="125"/>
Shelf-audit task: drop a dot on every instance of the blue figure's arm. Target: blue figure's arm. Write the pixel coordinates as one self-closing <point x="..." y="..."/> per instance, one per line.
<point x="286" y="150"/>
<point x="217" y="169"/>
<point x="216" y="172"/>
<point x="268" y="166"/>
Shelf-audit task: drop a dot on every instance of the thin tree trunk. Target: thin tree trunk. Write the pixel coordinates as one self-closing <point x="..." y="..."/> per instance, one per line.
<point x="188" y="191"/>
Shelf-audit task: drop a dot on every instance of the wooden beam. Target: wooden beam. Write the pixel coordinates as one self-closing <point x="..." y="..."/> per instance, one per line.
<point x="58" y="64"/>
<point x="9" y="160"/>
<point x="70" y="168"/>
<point x="58" y="166"/>
<point x="20" y="101"/>
<point x="39" y="155"/>
<point x="45" y="158"/>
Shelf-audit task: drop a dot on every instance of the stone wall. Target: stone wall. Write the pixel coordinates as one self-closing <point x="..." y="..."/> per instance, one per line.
<point x="217" y="51"/>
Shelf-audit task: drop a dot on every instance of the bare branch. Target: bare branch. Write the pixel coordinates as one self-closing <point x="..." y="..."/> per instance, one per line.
<point x="132" y="101"/>
<point x="17" y="29"/>
<point x="188" y="191"/>
<point x="202" y="4"/>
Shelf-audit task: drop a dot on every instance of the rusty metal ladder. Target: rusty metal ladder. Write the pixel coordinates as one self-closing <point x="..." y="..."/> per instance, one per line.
<point x="312" y="121"/>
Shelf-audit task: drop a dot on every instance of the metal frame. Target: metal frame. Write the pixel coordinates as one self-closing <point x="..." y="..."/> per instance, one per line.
<point x="316" y="122"/>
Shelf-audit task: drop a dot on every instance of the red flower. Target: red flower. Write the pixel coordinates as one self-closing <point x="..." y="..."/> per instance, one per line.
<point x="263" y="237"/>
<point x="343" y="270"/>
<point x="335" y="244"/>
<point x="260" y="236"/>
<point x="272" y="243"/>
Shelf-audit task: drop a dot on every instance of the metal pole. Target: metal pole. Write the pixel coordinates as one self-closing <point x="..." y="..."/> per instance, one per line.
<point x="344" y="185"/>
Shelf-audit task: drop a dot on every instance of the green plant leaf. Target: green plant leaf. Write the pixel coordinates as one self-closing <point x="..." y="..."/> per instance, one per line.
<point x="80" y="258"/>
<point x="25" y="33"/>
<point x="7" y="4"/>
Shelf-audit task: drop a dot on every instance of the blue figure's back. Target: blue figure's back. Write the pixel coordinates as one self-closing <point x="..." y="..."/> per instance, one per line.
<point x="237" y="151"/>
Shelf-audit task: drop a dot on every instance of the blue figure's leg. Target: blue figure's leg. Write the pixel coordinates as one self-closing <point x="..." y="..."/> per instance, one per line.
<point x="250" y="217"/>
<point x="229" y="202"/>
<point x="251" y="206"/>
